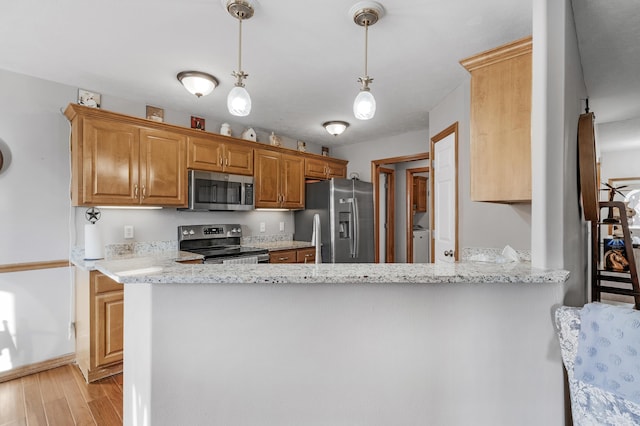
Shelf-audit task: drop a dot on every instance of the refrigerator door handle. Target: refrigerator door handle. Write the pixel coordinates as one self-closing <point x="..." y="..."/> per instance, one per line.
<point x="356" y="227"/>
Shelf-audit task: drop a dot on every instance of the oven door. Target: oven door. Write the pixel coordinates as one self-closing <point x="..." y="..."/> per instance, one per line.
<point x="219" y="191"/>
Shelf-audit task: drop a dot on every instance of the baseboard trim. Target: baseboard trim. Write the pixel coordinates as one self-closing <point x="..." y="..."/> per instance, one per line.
<point x="26" y="370"/>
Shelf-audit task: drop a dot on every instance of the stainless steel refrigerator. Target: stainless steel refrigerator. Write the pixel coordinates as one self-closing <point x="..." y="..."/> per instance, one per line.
<point x="345" y="209"/>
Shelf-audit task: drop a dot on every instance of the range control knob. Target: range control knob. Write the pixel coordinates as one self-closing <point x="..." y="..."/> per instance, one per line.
<point x="185" y="232"/>
<point x="191" y="232"/>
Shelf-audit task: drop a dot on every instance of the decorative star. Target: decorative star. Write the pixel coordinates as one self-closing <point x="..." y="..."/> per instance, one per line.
<point x="92" y="215"/>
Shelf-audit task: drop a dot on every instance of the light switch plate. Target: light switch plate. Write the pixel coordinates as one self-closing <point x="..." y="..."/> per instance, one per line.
<point x="263" y="227"/>
<point x="281" y="226"/>
<point x="128" y="231"/>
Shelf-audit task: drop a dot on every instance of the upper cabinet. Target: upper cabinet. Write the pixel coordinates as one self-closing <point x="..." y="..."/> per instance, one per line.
<point x="119" y="163"/>
<point x="500" y="158"/>
<point x="279" y="180"/>
<point x="420" y="194"/>
<point x="214" y="155"/>
<point x="321" y="168"/>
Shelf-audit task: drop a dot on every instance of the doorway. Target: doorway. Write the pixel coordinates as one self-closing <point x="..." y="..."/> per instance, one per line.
<point x="417" y="217"/>
<point x="389" y="244"/>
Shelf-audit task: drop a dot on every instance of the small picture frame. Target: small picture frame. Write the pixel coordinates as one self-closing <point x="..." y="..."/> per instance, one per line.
<point x="87" y="98"/>
<point x="302" y="147"/>
<point x="325" y="151"/>
<point x="155" y="114"/>
<point x="197" y="123"/>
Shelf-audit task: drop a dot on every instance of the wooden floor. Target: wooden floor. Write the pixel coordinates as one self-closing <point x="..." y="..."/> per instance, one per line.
<point x="61" y="397"/>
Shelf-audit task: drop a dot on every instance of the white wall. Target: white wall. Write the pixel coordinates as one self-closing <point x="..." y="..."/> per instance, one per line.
<point x="480" y="224"/>
<point x="619" y="164"/>
<point x="37" y="223"/>
<point x="361" y="155"/>
<point x="559" y="235"/>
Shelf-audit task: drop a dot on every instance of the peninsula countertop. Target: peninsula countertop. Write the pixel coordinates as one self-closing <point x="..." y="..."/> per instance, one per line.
<point x="165" y="270"/>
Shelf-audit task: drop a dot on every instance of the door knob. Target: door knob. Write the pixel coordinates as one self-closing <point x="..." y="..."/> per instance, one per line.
<point x="448" y="253"/>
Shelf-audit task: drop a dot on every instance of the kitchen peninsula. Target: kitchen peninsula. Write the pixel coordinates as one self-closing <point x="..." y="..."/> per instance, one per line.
<point x="370" y="344"/>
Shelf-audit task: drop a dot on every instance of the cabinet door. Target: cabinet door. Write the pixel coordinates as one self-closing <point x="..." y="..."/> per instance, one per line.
<point x="205" y="154"/>
<point x="315" y="168"/>
<point x="110" y="156"/>
<point x="267" y="179"/>
<point x="420" y="193"/>
<point x="337" y="170"/>
<point x="238" y="159"/>
<point x="163" y="180"/>
<point x="109" y="325"/>
<point x="292" y="181"/>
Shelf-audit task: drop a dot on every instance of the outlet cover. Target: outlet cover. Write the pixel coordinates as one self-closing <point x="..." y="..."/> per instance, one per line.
<point x="128" y="231"/>
<point x="263" y="227"/>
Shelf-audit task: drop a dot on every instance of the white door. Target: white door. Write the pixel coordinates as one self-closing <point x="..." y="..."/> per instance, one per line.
<point x="445" y="197"/>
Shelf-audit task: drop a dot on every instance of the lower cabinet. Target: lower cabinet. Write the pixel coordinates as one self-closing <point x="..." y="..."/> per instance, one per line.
<point x="99" y="325"/>
<point x="303" y="255"/>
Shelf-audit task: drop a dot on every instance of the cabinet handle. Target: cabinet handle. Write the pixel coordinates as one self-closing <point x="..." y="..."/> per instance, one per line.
<point x="221" y="163"/>
<point x="135" y="190"/>
<point x="226" y="161"/>
<point x="144" y="192"/>
<point x="283" y="258"/>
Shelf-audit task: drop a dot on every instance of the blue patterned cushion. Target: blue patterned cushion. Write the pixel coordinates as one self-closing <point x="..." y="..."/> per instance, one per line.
<point x="609" y="349"/>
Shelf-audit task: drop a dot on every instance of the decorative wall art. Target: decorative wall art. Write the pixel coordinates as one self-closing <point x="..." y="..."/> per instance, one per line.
<point x="197" y="123"/>
<point x="155" y="114"/>
<point x="87" y="98"/>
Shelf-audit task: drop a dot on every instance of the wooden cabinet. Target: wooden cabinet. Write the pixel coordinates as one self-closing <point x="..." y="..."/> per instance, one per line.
<point x="319" y="168"/>
<point x="213" y="155"/>
<point x="115" y="162"/>
<point x="99" y="325"/>
<point x="303" y="255"/>
<point x="500" y="158"/>
<point x="419" y="194"/>
<point x="279" y="180"/>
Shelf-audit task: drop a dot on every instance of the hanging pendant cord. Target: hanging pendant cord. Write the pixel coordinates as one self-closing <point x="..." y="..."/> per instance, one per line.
<point x="366" y="47"/>
<point x="240" y="46"/>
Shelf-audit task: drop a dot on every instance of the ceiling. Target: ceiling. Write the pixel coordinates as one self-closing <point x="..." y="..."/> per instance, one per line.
<point x="303" y="61"/>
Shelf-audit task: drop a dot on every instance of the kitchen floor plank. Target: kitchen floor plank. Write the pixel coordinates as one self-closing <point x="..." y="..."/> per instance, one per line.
<point x="77" y="404"/>
<point x="33" y="401"/>
<point x="58" y="413"/>
<point x="114" y="392"/>
<point x="104" y="412"/>
<point x="11" y="402"/>
<point x="90" y="391"/>
<point x="49" y="386"/>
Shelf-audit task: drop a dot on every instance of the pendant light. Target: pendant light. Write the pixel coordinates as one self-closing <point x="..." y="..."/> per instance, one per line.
<point x="365" y="14"/>
<point x="239" y="101"/>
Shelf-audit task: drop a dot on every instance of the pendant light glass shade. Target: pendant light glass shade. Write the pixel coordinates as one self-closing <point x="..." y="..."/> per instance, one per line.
<point x="239" y="102"/>
<point x="364" y="107"/>
<point x="197" y="83"/>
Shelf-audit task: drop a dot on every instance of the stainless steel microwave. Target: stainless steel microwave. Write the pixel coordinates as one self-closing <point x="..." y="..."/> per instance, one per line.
<point x="219" y="191"/>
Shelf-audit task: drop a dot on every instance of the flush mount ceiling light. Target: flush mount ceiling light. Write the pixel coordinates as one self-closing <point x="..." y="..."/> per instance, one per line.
<point x="239" y="101"/>
<point x="198" y="83"/>
<point x="365" y="14"/>
<point x="335" y="127"/>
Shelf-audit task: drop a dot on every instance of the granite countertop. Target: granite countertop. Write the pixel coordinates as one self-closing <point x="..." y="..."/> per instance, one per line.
<point x="281" y="245"/>
<point x="158" y="257"/>
<point x="159" y="270"/>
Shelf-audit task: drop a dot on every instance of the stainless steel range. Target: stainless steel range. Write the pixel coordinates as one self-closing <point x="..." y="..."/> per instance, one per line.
<point x="219" y="244"/>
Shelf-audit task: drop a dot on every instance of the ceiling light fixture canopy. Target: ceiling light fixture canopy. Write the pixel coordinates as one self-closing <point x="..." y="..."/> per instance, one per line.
<point x="197" y="83"/>
<point x="335" y="127"/>
<point x="239" y="101"/>
<point x="365" y="14"/>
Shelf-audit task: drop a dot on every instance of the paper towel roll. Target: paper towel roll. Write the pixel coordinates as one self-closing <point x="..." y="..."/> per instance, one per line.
<point x="92" y="242"/>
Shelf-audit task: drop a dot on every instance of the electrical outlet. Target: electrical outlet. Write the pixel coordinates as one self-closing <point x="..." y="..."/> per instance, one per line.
<point x="128" y="231"/>
<point x="281" y="226"/>
<point x="263" y="227"/>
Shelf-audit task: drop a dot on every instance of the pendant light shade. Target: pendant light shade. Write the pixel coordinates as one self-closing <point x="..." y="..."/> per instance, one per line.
<point x="364" y="107"/>
<point x="197" y="83"/>
<point x="365" y="14"/>
<point x="239" y="102"/>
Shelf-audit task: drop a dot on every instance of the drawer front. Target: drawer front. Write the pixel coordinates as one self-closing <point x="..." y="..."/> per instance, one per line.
<point x="103" y="284"/>
<point x="282" y="256"/>
<point x="307" y="255"/>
